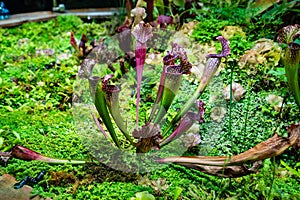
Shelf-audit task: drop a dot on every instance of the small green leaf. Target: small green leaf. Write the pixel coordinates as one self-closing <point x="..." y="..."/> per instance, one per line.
<point x="177" y="192"/>
<point x="17" y="135"/>
<point x="9" y="108"/>
<point x="179" y="3"/>
<point x="48" y="96"/>
<point x="159" y="3"/>
<point x="143" y="196"/>
<point x="295" y="172"/>
<point x="1" y="141"/>
<point x="297" y="41"/>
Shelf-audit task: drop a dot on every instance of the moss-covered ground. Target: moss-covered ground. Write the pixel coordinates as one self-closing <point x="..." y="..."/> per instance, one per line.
<point x="36" y="112"/>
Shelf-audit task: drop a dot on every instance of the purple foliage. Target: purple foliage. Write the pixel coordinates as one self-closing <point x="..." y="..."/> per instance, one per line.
<point x="124" y="37"/>
<point x="164" y="20"/>
<point x="186" y="122"/>
<point x="225" y="49"/>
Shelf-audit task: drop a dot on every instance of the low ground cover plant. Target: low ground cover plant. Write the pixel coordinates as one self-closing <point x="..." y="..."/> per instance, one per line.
<point x="37" y="88"/>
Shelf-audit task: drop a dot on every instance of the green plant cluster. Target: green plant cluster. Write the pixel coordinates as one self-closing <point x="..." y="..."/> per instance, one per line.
<point x="257" y="22"/>
<point x="37" y="65"/>
<point x="35" y="100"/>
<point x="208" y="29"/>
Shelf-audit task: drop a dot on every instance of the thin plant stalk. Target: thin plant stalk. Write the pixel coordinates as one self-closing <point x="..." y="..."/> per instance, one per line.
<point x="230" y="105"/>
<point x="247" y="106"/>
<point x="273" y="179"/>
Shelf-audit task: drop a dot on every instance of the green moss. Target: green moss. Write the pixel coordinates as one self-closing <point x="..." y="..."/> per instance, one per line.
<point x="208" y="29"/>
<point x="35" y="102"/>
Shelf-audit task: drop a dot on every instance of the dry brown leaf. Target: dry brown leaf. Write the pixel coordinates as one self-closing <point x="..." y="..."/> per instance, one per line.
<point x="234" y="166"/>
<point x="227" y="171"/>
